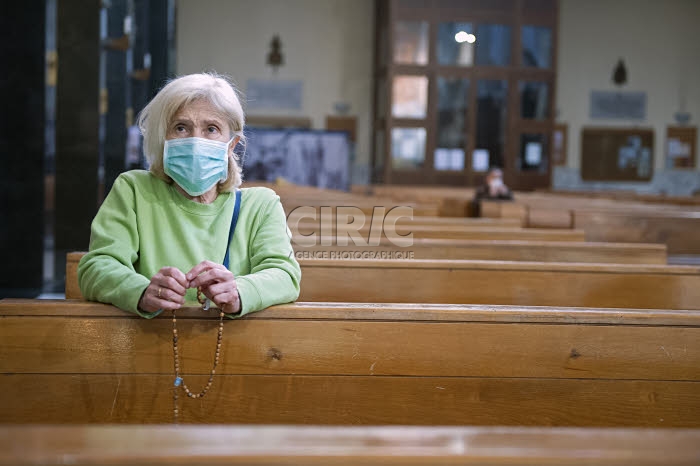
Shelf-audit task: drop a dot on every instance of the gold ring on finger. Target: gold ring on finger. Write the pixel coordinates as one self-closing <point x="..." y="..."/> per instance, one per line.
<point x="159" y="290"/>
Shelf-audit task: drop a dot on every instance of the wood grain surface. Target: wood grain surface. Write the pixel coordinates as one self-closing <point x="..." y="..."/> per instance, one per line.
<point x="488" y="282"/>
<point x="507" y="283"/>
<point x="79" y="362"/>
<point x="511" y="250"/>
<point x="387" y="312"/>
<point x="349" y="347"/>
<point x="350" y="400"/>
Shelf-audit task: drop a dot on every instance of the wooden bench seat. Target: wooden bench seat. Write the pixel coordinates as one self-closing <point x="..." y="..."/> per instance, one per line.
<point x="347" y="446"/>
<point x="73" y="362"/>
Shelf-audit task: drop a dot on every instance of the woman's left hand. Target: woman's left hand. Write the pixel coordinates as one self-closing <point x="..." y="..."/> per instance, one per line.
<point x="217" y="283"/>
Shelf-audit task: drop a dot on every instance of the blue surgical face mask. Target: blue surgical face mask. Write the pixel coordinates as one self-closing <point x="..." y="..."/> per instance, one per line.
<point x="196" y="164"/>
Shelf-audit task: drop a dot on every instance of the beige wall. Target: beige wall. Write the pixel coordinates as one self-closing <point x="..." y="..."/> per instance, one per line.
<point x="659" y="43"/>
<point x="328" y="44"/>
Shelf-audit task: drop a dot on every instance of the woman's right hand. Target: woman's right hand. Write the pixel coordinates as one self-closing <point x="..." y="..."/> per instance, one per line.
<point x="166" y="291"/>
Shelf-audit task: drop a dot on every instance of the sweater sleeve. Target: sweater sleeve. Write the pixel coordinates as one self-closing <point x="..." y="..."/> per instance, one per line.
<point x="275" y="273"/>
<point x="107" y="273"/>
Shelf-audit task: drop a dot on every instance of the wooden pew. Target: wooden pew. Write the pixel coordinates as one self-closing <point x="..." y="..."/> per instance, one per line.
<point x="475" y="233"/>
<point x="503" y="209"/>
<point x="534" y="251"/>
<point x="629" y="195"/>
<point x="327" y="222"/>
<point x="453" y="202"/>
<point x="333" y="220"/>
<point x="608" y="220"/>
<point x="679" y="230"/>
<point x="350" y="446"/>
<point x="501" y="282"/>
<point x="70" y="362"/>
<point x="507" y="250"/>
<point x="549" y="218"/>
<point x="365" y="205"/>
<point x="414" y="193"/>
<point x="611" y="218"/>
<point x="485" y="282"/>
<point x="459" y="207"/>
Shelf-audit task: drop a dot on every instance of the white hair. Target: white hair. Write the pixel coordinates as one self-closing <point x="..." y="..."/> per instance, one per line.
<point x="155" y="119"/>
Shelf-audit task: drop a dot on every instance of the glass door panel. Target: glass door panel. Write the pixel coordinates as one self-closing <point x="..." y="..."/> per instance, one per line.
<point x="491" y="122"/>
<point x="451" y="135"/>
<point x="411" y="43"/>
<point x="409" y="97"/>
<point x="408" y="148"/>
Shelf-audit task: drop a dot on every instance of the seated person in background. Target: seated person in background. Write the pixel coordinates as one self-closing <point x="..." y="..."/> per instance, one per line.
<point x="492" y="189"/>
<point x="183" y="232"/>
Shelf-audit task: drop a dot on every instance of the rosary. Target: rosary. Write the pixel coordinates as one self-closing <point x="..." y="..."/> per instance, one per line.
<point x="205" y="307"/>
<point x="178" y="380"/>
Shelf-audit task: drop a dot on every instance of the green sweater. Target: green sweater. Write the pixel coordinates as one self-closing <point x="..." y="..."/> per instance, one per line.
<point x="145" y="224"/>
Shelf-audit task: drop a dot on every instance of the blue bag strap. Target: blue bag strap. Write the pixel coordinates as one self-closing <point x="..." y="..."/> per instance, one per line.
<point x="234" y="221"/>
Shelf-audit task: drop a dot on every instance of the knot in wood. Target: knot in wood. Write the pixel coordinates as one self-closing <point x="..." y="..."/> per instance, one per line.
<point x="274" y="353"/>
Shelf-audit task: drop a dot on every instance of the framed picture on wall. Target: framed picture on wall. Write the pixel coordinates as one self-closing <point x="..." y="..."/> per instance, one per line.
<point x="680" y="146"/>
<point x="559" y="143"/>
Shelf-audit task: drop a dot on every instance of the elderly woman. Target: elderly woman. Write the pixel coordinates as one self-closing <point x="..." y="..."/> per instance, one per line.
<point x="492" y="189"/>
<point x="183" y="231"/>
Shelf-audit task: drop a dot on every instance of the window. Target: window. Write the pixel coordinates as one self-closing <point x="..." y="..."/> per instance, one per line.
<point x="454" y="97"/>
<point x="409" y="97"/>
<point x="492" y="102"/>
<point x="455" y="44"/>
<point x="407" y="148"/>
<point x="411" y="43"/>
<point x="493" y="45"/>
<point x="537" y="46"/>
<point x="451" y="123"/>
<point x="534" y="99"/>
<point x="533" y="154"/>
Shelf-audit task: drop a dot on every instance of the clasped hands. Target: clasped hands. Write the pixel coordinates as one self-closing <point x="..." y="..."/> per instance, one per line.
<point x="168" y="287"/>
<point x="497" y="190"/>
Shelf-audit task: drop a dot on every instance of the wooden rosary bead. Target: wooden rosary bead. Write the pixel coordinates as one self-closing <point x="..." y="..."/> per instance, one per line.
<point x="176" y="357"/>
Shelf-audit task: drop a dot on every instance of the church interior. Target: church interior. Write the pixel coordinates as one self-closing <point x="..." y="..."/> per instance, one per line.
<point x="523" y="174"/>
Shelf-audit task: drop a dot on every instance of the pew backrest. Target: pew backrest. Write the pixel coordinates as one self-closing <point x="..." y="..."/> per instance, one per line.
<point x="679" y="230"/>
<point x="501" y="282"/>
<point x="499" y="250"/>
<point x="345" y="363"/>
